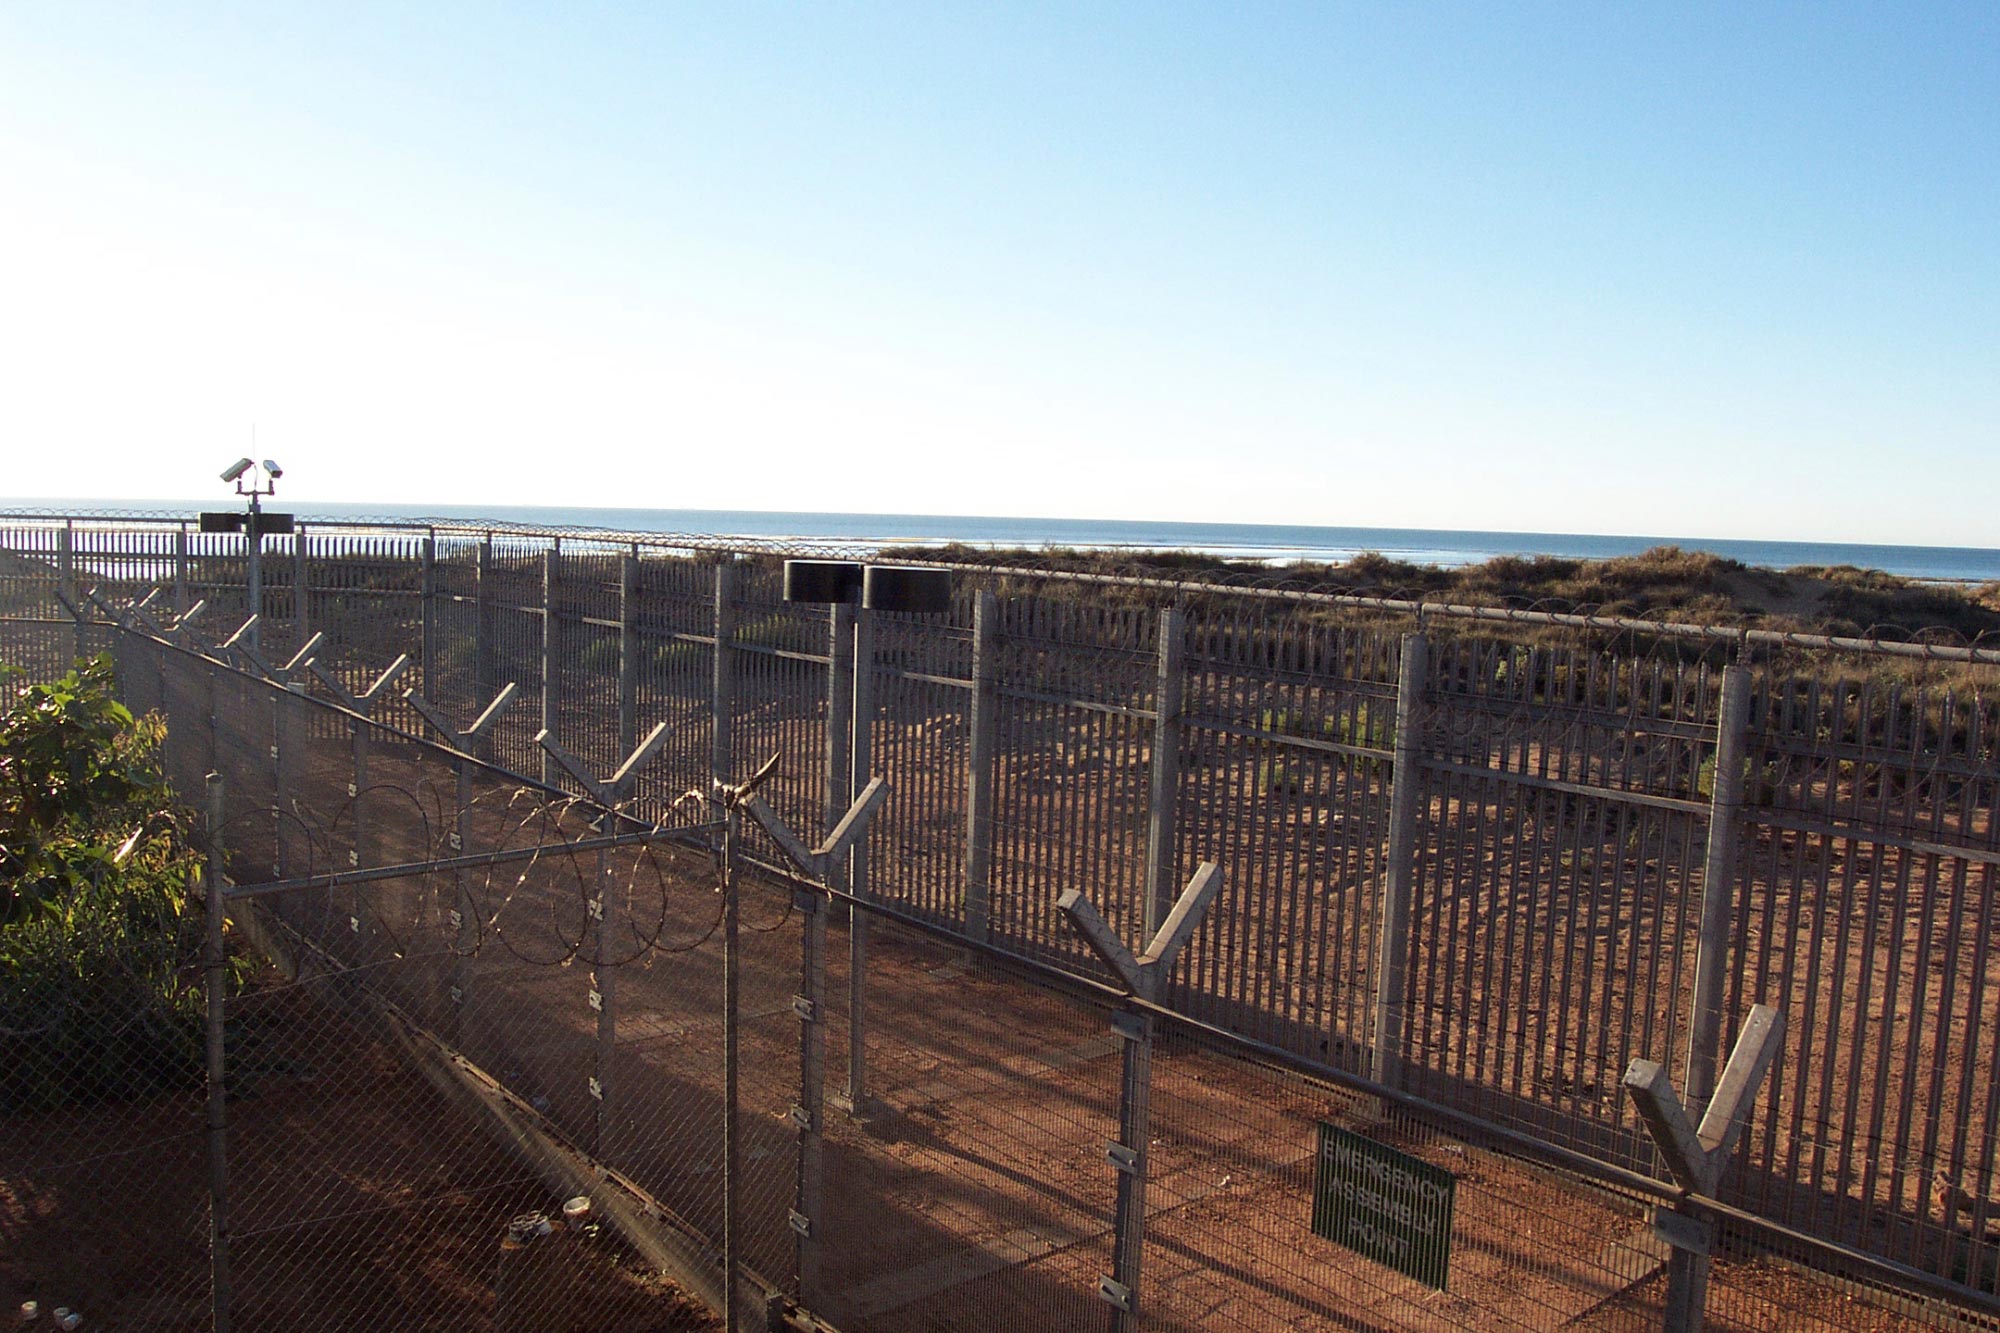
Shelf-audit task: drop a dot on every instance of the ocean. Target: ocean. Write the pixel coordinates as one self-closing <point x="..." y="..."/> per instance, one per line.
<point x="1271" y="543"/>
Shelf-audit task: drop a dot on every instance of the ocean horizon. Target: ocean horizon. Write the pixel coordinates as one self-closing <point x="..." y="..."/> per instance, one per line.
<point x="1266" y="542"/>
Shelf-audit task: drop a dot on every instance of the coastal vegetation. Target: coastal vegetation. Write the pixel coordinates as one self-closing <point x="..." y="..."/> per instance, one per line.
<point x="1665" y="583"/>
<point x="100" y="988"/>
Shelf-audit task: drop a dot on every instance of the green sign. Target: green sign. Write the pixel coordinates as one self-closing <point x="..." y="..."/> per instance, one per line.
<point x="1387" y="1205"/>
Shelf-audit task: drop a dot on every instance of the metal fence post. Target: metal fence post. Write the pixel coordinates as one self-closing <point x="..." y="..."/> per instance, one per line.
<point x="551" y="559"/>
<point x="215" y="974"/>
<point x="1161" y="854"/>
<point x="979" y="766"/>
<point x="1392" y="964"/>
<point x="1129" y="1155"/>
<point x="1718" y="891"/>
<point x="855" y="1100"/>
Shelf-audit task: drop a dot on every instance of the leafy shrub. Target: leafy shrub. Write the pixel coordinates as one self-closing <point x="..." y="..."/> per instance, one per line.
<point x="100" y="983"/>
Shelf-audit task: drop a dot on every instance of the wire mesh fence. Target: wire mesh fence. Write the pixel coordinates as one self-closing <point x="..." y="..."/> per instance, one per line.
<point x="1492" y="884"/>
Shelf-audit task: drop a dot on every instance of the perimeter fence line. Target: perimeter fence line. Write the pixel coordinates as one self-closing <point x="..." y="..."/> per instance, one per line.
<point x="1038" y="1149"/>
<point x="1608" y="851"/>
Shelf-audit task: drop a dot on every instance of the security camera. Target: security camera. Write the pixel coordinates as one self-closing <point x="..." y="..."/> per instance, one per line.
<point x="273" y="469"/>
<point x="236" y="469"/>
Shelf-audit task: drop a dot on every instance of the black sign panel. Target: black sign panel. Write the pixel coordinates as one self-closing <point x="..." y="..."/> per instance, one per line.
<point x="234" y="520"/>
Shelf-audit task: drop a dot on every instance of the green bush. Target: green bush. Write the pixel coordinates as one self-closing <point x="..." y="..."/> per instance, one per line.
<point x="100" y="984"/>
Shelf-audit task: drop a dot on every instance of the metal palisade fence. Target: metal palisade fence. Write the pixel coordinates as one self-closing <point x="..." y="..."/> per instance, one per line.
<point x="1471" y="868"/>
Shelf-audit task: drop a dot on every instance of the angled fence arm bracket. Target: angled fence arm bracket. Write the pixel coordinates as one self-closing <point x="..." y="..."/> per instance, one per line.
<point x="362" y="703"/>
<point x="303" y="655"/>
<point x="187" y="617"/>
<point x="606" y="792"/>
<point x="484" y="722"/>
<point x="238" y="645"/>
<point x="387" y="678"/>
<point x="334" y="687"/>
<point x="781" y="834"/>
<point x="1184" y="919"/>
<point x="815" y="860"/>
<point x="1146" y="974"/>
<point x="621" y="781"/>
<point x="119" y="616"/>
<point x="1102" y="939"/>
<point x="576" y="768"/>
<point x="457" y="736"/>
<point x="1696" y="1156"/>
<point x="430" y="713"/>
<point x="855" y="821"/>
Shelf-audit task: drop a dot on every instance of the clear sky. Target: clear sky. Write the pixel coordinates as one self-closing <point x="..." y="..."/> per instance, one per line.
<point x="1723" y="271"/>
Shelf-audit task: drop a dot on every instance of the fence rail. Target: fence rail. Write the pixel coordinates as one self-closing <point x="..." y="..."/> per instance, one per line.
<point x="1486" y="862"/>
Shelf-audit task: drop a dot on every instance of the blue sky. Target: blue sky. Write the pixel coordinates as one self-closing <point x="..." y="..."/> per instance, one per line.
<point x="1721" y="271"/>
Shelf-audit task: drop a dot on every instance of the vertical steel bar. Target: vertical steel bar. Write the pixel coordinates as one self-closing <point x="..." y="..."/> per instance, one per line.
<point x="1399" y="887"/>
<point x="979" y="773"/>
<point x="1718" y="893"/>
<point x="1162" y="883"/>
<point x="215" y="969"/>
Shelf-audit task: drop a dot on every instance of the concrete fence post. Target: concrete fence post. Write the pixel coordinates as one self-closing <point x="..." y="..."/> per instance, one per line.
<point x="1718" y="891"/>
<point x="1161" y="849"/>
<point x="1392" y="964"/>
<point x="982" y="720"/>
